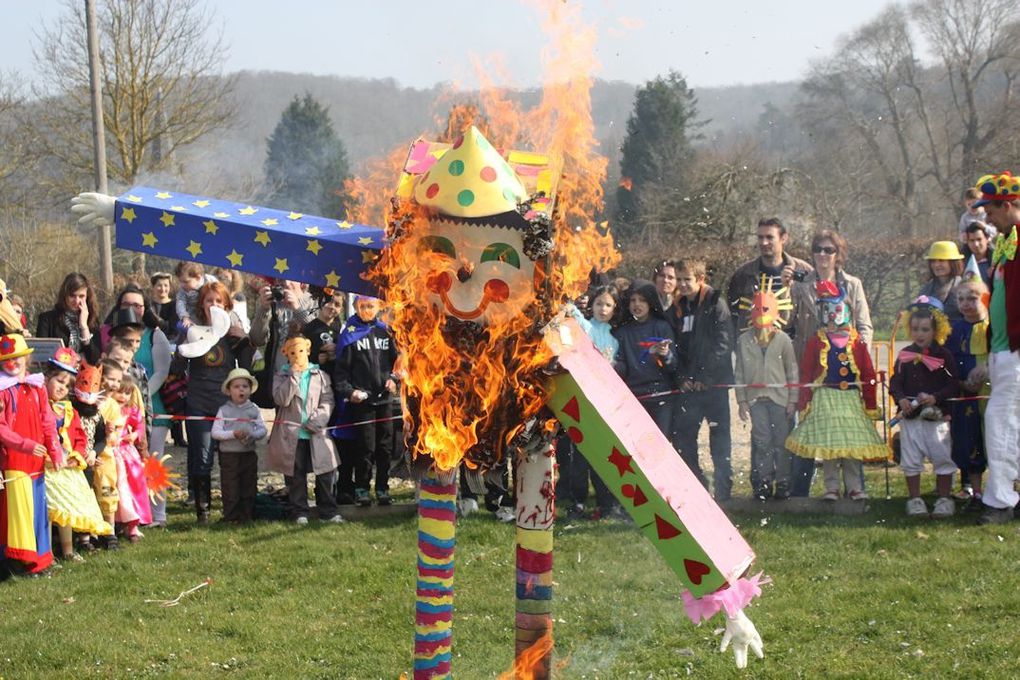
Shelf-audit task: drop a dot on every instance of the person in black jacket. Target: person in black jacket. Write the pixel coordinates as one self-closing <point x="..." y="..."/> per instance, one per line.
<point x="363" y="376"/>
<point x="74" y="318"/>
<point x="704" y="330"/>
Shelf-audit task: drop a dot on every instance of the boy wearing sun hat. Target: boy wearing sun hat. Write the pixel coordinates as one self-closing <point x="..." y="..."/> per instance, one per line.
<point x="237" y="428"/>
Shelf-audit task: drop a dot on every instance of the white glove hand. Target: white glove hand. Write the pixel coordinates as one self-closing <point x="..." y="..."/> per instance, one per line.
<point x="94" y="209"/>
<point x="742" y="633"/>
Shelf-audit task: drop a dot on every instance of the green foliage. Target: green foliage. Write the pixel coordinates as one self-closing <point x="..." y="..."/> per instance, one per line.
<point x="657" y="150"/>
<point x="306" y="164"/>
<point x="876" y="595"/>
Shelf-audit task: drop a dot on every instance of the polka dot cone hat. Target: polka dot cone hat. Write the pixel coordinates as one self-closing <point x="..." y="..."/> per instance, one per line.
<point x="1002" y="187"/>
<point x="470" y="180"/>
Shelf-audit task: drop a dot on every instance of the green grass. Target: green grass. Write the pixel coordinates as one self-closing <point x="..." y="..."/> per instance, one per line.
<point x="875" y="596"/>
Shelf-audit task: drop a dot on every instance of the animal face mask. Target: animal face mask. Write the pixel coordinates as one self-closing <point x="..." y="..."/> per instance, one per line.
<point x="87" y="386"/>
<point x="297" y="350"/>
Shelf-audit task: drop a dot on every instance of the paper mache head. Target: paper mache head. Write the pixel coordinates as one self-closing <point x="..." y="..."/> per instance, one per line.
<point x="483" y="241"/>
<point x="832" y="305"/>
<point x="765" y="309"/>
<point x="297" y="349"/>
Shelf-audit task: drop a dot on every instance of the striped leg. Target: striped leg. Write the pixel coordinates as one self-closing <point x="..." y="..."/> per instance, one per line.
<point x="433" y="619"/>
<point x="535" y="512"/>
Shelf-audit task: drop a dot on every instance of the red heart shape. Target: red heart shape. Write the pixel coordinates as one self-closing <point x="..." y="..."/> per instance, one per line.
<point x="572" y="409"/>
<point x="696" y="570"/>
<point x="665" y="529"/>
<point x="634" y="492"/>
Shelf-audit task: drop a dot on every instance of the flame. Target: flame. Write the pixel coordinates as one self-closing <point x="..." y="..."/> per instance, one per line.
<point x="532" y="663"/>
<point x="470" y="390"/>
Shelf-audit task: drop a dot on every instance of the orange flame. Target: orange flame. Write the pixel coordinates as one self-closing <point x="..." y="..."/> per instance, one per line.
<point x="533" y="662"/>
<point x="470" y="392"/>
<point x="158" y="477"/>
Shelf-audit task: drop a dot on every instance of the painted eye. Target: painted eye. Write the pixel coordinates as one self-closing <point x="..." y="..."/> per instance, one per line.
<point x="437" y="244"/>
<point x="501" y="252"/>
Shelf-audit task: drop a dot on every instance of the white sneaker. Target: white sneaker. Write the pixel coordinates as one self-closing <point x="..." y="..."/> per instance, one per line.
<point x="830" y="496"/>
<point x="858" y="495"/>
<point x="335" y="519"/>
<point x="505" y="514"/>
<point x="467" y="506"/>
<point x="917" y="508"/>
<point x="944" y="507"/>
<point x="301" y="521"/>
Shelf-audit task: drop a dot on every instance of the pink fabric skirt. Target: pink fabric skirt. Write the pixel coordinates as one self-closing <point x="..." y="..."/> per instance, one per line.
<point x="134" y="494"/>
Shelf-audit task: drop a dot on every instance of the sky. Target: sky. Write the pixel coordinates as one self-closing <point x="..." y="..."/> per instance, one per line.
<point x="420" y="44"/>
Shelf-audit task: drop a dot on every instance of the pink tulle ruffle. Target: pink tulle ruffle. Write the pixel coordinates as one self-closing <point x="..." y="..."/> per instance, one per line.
<point x="732" y="599"/>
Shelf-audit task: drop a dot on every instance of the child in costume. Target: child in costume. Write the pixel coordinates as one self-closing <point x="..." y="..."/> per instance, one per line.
<point x="968" y="343"/>
<point x="28" y="436"/>
<point x="363" y="375"/>
<point x="838" y="428"/>
<point x="299" y="443"/>
<point x="924" y="377"/>
<point x="105" y="474"/>
<point x="133" y="508"/>
<point x="85" y="399"/>
<point x="191" y="277"/>
<point x="765" y="356"/>
<point x="237" y="427"/>
<point x="72" y="504"/>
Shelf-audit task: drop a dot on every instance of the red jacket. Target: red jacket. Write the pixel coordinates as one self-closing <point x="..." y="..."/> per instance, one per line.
<point x="812" y="371"/>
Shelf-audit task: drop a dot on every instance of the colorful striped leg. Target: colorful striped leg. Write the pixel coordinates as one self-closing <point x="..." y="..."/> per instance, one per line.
<point x="433" y="617"/>
<point x="535" y="513"/>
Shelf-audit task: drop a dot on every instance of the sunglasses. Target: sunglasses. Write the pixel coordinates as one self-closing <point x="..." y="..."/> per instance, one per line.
<point x="828" y="250"/>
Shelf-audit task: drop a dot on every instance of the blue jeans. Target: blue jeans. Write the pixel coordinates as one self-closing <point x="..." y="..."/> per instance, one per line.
<point x="201" y="453"/>
<point x="689" y="410"/>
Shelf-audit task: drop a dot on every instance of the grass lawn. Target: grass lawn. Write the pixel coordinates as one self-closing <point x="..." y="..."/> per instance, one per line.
<point x="874" y="596"/>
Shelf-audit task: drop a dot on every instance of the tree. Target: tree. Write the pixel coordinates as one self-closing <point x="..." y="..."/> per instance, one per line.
<point x="161" y="82"/>
<point x="656" y="154"/>
<point x="306" y="164"/>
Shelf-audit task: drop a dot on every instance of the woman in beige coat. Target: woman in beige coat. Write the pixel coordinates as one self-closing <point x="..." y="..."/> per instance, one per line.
<point x="299" y="443"/>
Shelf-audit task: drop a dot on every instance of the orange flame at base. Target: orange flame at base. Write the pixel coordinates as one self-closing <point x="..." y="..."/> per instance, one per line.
<point x="533" y="661"/>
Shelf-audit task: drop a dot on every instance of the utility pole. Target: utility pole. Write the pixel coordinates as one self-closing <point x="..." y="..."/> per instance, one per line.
<point x="99" y="144"/>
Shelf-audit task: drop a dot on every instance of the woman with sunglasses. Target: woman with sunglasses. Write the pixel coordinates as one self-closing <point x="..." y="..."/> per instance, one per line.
<point x="829" y="251"/>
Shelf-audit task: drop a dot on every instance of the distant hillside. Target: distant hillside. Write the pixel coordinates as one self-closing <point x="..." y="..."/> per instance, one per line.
<point x="374" y="116"/>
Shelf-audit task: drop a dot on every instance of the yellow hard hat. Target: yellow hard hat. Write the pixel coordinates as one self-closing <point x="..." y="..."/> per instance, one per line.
<point x="943" y="250"/>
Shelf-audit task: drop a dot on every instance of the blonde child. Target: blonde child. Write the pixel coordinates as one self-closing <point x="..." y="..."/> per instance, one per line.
<point x="72" y="505"/>
<point x="104" y="473"/>
<point x="133" y="509"/>
<point x="924" y="377"/>
<point x="237" y="427"/>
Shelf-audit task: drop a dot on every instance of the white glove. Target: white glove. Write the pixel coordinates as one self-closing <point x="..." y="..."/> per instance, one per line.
<point x="743" y="634"/>
<point x="94" y="209"/>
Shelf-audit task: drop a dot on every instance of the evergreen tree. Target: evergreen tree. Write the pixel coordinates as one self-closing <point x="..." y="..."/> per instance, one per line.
<point x="306" y="165"/>
<point x="656" y="154"/>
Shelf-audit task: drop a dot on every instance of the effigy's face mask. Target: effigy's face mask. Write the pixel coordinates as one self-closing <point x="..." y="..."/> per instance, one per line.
<point x="835" y="314"/>
<point x="764" y="315"/>
<point x="477" y="272"/>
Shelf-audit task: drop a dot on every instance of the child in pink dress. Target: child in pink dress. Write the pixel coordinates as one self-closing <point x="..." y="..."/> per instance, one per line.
<point x="134" y="509"/>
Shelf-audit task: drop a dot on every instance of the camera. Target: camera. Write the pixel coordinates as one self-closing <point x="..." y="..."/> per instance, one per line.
<point x="277" y="293"/>
<point x="799" y="275"/>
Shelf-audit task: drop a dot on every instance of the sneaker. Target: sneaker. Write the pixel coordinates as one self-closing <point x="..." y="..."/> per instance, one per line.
<point x="467" y="506"/>
<point x="782" y="493"/>
<point x="110" y="543"/>
<point x="763" y="492"/>
<point x="383" y="498"/>
<point x="597" y="514"/>
<point x="964" y="494"/>
<point x="85" y="545"/>
<point x="995" y="515"/>
<point x="505" y="514"/>
<point x="362" y="498"/>
<point x="335" y="519"/>
<point x="975" y="504"/>
<point x="944" y="507"/>
<point x="618" y="513"/>
<point x="916" y="508"/>
<point x="830" y="496"/>
<point x="858" y="495"/>
<point x="72" y="557"/>
<point x="345" y="499"/>
<point x="575" y="511"/>
<point x="301" y="521"/>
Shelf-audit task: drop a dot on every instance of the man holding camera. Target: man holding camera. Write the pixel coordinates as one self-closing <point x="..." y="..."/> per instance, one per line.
<point x="281" y="306"/>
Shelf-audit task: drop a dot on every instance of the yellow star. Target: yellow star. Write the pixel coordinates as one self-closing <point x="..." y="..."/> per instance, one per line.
<point x="248" y="211"/>
<point x="365" y="240"/>
<point x="332" y="279"/>
<point x="295" y="216"/>
<point x="368" y="256"/>
<point x="314" y="246"/>
<point x="195" y="249"/>
<point x="134" y="199"/>
<point x="281" y="265"/>
<point x="164" y="195"/>
<point x="167" y="219"/>
<point x="262" y="238"/>
<point x="236" y="258"/>
<point x="211" y="227"/>
<point x="220" y="214"/>
<point x="344" y="225"/>
<point x="179" y="208"/>
<point x="149" y="240"/>
<point x="201" y="204"/>
<point x="270" y="222"/>
<point x="313" y="231"/>
<point x="128" y="215"/>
